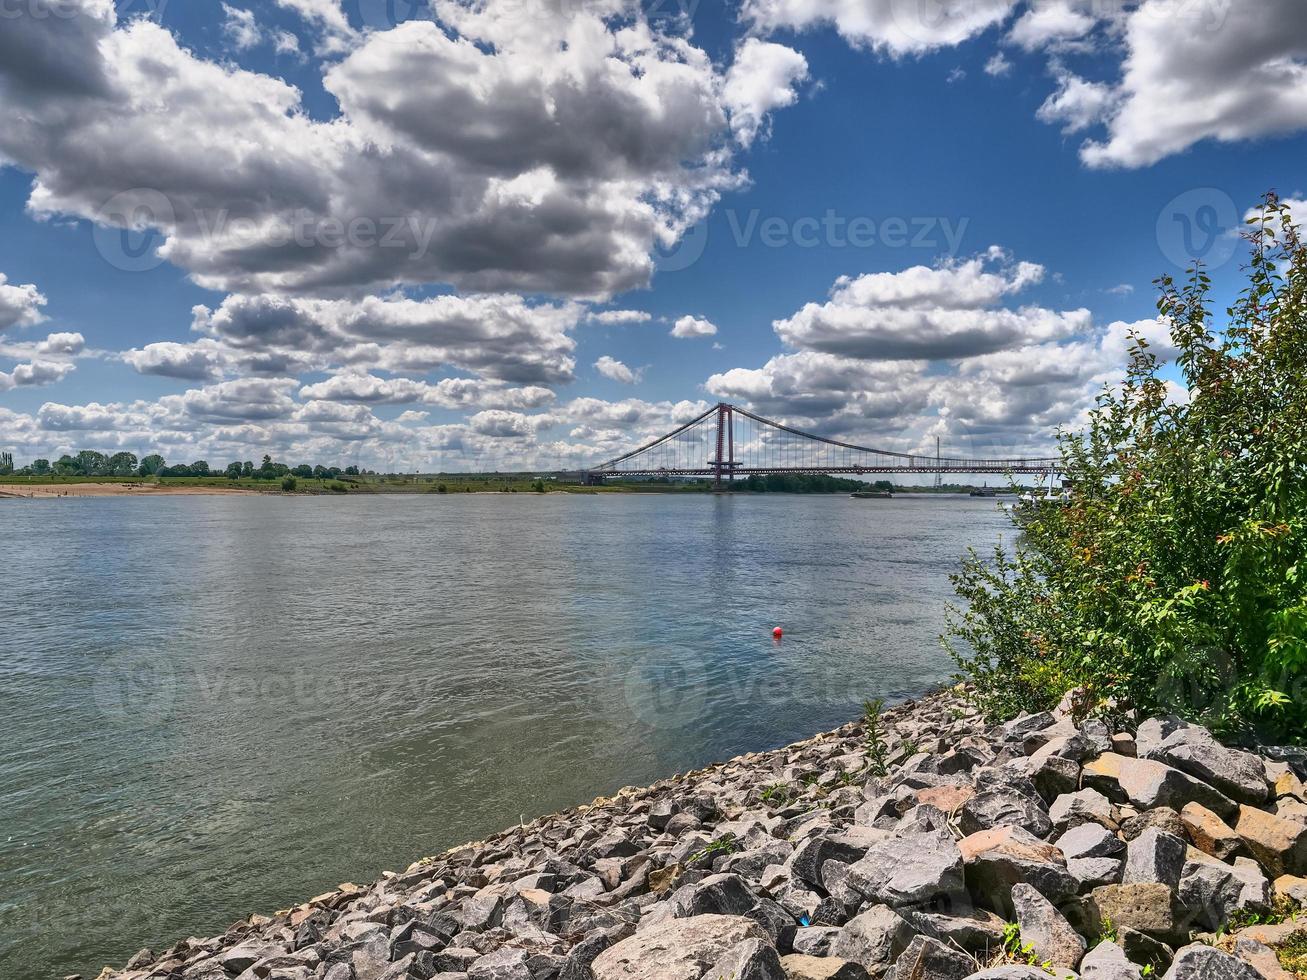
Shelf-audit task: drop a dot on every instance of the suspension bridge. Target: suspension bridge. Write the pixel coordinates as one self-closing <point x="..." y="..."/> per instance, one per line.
<point x="728" y="441"/>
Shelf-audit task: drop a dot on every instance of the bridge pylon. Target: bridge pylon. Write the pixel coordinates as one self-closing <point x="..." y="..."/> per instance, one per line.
<point x="725" y="448"/>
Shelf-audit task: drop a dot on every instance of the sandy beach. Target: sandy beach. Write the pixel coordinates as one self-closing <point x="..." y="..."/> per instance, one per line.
<point x="46" y="490"/>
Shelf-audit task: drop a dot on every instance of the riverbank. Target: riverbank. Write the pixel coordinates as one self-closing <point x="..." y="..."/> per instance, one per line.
<point x="39" y="491"/>
<point x="1113" y="848"/>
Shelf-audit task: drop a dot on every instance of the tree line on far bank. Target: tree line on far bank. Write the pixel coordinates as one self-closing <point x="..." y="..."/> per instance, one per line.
<point x="89" y="462"/>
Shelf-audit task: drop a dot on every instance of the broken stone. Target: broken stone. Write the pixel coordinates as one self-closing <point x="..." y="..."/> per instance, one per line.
<point x="873" y="940"/>
<point x="1199" y="962"/>
<point x="929" y="959"/>
<point x="677" y="949"/>
<point x="995" y="860"/>
<point x="1279" y="844"/>
<point x="1193" y="750"/>
<point x="1107" y="961"/>
<point x="910" y="870"/>
<point x="1209" y="833"/>
<point x="1155" y="856"/>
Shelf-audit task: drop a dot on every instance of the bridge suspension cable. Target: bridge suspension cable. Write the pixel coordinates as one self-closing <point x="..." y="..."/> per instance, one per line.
<point x="728" y="441"/>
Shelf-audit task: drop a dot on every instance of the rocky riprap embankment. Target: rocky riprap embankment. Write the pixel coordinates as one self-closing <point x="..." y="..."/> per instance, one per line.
<point x="798" y="864"/>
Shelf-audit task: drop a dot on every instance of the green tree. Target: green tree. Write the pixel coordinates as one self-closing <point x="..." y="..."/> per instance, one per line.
<point x="122" y="464"/>
<point x="288" y="483"/>
<point x="40" y="467"/>
<point x="304" y="471"/>
<point x="200" y="468"/>
<point x="92" y="463"/>
<point x="233" y="471"/>
<point x="1176" y="576"/>
<point x="247" y="469"/>
<point x="150" y="465"/>
<point x="6" y="463"/>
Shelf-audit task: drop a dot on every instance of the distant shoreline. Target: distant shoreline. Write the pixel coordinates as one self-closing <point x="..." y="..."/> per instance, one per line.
<point x="38" y="491"/>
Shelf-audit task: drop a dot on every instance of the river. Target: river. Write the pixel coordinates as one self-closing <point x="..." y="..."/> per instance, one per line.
<point x="220" y="705"/>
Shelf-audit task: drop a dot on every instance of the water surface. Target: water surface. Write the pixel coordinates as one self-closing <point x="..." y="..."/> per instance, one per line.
<point x="219" y="705"/>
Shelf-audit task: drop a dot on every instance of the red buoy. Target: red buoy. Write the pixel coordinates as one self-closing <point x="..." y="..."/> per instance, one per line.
<point x="778" y="632"/>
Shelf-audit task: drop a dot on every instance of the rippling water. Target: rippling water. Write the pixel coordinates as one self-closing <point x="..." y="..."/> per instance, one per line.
<point x="219" y="705"/>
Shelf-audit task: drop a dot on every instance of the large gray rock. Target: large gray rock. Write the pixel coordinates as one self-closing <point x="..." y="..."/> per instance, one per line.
<point x="1148" y="907"/>
<point x="1262" y="958"/>
<point x="752" y="959"/>
<point x="1023" y="726"/>
<point x="995" y="860"/>
<point x="1089" y="873"/>
<point x="808" y="857"/>
<point x="1199" y="962"/>
<point x="1147" y="784"/>
<point x="502" y="964"/>
<point x="974" y="930"/>
<point x="1090" y="840"/>
<point x="1209" y="892"/>
<point x="873" y="940"/>
<point x="240" y="958"/>
<point x="910" y="870"/>
<point x="1046" y="929"/>
<point x="1107" y="961"/>
<point x="929" y="959"/>
<point x="676" y="949"/>
<point x="799" y="966"/>
<point x="1192" y="749"/>
<point x="1155" y="856"/>
<point x="579" y="958"/>
<point x="814" y="940"/>
<point x="1002" y="805"/>
<point x="1010" y="973"/>
<point x="1084" y="806"/>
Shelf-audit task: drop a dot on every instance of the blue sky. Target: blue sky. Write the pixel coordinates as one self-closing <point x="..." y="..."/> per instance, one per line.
<point x="889" y="220"/>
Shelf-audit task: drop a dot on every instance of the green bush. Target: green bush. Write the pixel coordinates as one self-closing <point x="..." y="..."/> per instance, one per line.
<point x="288" y="483"/>
<point x="1173" y="579"/>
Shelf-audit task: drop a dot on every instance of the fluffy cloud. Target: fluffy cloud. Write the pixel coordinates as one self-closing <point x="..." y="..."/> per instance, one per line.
<point x="500" y="336"/>
<point x="947" y="311"/>
<point x="614" y="369"/>
<point x="1205" y="71"/>
<point x="1047" y="23"/>
<point x="693" y="326"/>
<point x="761" y="79"/>
<point x="243" y="400"/>
<point x="192" y="362"/>
<point x="619" y="317"/>
<point x="451" y="393"/>
<point x="20" y="306"/>
<point x="826" y="391"/>
<point x="541" y="148"/>
<point x="894" y="27"/>
<point x="34" y="374"/>
<point x="1077" y="104"/>
<point x="65" y="344"/>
